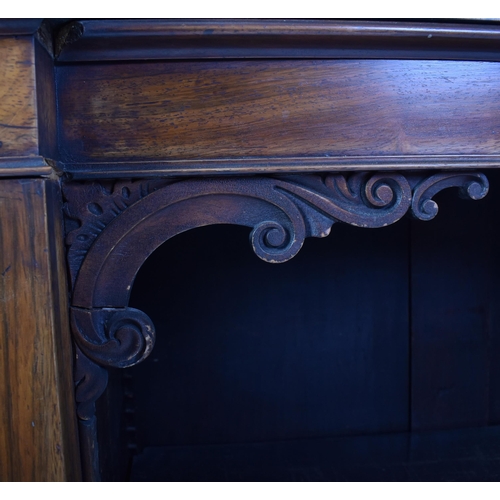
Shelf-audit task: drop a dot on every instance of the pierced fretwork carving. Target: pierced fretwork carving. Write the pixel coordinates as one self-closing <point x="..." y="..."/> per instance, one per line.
<point x="112" y="227"/>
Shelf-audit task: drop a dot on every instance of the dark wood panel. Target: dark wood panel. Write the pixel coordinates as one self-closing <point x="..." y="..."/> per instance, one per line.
<point x="455" y="325"/>
<point x="46" y="102"/>
<point x="248" y="351"/>
<point x="38" y="439"/>
<point x="237" y="110"/>
<point x="127" y="39"/>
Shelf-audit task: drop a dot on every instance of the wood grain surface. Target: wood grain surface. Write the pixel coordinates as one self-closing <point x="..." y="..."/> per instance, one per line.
<point x="285" y="110"/>
<point x="37" y="414"/>
<point x="18" y="118"/>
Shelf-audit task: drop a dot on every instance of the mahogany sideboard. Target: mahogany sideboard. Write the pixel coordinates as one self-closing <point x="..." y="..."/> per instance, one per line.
<point x="117" y="135"/>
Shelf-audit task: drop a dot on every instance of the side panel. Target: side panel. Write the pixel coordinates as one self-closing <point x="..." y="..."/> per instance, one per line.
<point x="38" y="440"/>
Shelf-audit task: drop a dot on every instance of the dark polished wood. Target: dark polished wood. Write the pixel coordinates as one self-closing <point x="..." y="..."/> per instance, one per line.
<point x="46" y="102"/>
<point x="116" y="40"/>
<point x="271" y="116"/>
<point x="152" y="128"/>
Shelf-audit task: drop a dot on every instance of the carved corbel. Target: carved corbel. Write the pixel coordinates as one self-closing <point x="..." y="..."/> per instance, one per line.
<point x="112" y="227"/>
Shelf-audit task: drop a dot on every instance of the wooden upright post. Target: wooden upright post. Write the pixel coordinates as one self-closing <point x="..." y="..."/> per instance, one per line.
<point x="38" y="437"/>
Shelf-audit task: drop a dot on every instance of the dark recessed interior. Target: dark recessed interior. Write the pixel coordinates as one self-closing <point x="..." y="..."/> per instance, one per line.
<point x="369" y="356"/>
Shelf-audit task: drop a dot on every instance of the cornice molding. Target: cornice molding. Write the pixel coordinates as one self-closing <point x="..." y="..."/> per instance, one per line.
<point x="114" y="40"/>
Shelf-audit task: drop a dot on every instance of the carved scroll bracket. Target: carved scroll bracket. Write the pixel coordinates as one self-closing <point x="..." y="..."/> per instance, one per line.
<point x="113" y="227"/>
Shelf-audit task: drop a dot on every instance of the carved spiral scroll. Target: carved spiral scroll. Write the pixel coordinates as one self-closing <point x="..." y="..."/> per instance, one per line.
<point x="270" y="240"/>
<point x="364" y="200"/>
<point x="107" y="222"/>
<point x="472" y="185"/>
<point x="113" y="337"/>
<point x="113" y="227"/>
<point x="379" y="190"/>
<point x="282" y="212"/>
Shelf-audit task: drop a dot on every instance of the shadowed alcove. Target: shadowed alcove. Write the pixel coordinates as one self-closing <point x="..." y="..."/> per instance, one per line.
<point x="368" y="356"/>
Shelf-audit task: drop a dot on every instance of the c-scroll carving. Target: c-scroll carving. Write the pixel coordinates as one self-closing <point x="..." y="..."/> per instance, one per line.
<point x="117" y="338"/>
<point x="113" y="227"/>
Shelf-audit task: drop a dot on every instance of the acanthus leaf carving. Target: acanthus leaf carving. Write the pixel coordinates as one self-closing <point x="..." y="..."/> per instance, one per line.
<point x="93" y="205"/>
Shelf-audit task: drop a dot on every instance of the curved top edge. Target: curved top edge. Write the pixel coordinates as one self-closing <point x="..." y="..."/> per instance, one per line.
<point x="112" y="40"/>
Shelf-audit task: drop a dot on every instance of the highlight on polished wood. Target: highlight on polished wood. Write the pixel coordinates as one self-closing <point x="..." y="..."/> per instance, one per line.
<point x="27" y="106"/>
<point x="18" y="121"/>
<point x="261" y="115"/>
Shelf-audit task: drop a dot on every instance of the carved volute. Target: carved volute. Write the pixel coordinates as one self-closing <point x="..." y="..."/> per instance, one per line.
<point x="112" y="228"/>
